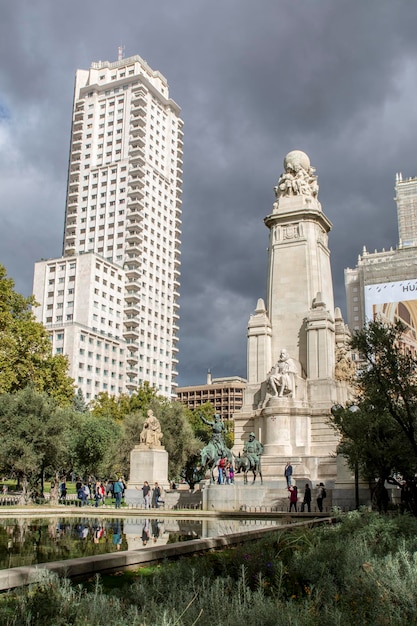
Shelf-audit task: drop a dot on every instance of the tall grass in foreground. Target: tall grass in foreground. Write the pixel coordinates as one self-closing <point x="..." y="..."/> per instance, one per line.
<point x="360" y="571"/>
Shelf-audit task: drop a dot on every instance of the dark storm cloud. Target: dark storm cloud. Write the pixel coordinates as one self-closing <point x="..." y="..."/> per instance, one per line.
<point x="254" y="81"/>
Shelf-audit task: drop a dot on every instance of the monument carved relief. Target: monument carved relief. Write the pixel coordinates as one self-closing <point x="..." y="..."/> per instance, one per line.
<point x="345" y="368"/>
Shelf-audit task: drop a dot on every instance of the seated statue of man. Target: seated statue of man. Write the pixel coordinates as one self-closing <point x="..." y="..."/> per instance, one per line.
<point x="281" y="378"/>
<point x="253" y="450"/>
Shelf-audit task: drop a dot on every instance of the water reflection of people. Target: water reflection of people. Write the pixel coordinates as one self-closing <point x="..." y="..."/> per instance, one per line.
<point x="117" y="534"/>
<point x="156" y="531"/>
<point x="82" y="531"/>
<point x="98" y="531"/>
<point x="145" y="532"/>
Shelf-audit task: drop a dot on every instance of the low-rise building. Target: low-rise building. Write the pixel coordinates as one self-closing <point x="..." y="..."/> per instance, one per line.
<point x="226" y="394"/>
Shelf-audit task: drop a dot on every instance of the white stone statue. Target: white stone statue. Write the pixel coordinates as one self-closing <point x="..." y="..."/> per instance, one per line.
<point x="299" y="177"/>
<point x="281" y="377"/>
<point x="151" y="434"/>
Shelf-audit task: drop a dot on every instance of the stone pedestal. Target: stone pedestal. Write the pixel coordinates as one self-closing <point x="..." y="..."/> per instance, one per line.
<point x="284" y="426"/>
<point x="146" y="463"/>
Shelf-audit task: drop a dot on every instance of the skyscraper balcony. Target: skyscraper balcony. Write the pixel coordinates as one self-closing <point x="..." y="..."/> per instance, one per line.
<point x="134" y="225"/>
<point x="133" y="259"/>
<point x="137" y="131"/>
<point x="136" y="149"/>
<point x="139" y="98"/>
<point x="132" y="296"/>
<point x="132" y="358"/>
<point x="139" y="116"/>
<point x="137" y="169"/>
<point x="133" y="239"/>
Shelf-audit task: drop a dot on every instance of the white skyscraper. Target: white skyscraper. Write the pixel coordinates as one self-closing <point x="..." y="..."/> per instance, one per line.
<point x="117" y="284"/>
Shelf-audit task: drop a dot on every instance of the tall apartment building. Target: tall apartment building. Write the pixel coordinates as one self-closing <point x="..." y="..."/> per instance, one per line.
<point x="117" y="283"/>
<point x="226" y="395"/>
<point x="384" y="284"/>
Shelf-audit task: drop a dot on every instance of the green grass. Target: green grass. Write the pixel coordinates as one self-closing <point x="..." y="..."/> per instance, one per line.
<point x="362" y="570"/>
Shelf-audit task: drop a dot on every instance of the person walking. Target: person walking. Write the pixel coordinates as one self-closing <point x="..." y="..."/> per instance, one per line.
<point x="321" y="494"/>
<point x="79" y="491"/>
<point x="85" y="494"/>
<point x="63" y="491"/>
<point x="118" y="492"/>
<point x="288" y="473"/>
<point x="306" y="499"/>
<point x="146" y="492"/>
<point x="97" y="493"/>
<point x="156" y="494"/>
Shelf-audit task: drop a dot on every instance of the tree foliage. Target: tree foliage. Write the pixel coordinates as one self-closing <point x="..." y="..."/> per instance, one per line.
<point x="33" y="440"/>
<point x="380" y="437"/>
<point x="118" y="407"/>
<point x="25" y="349"/>
<point x="79" y="404"/>
<point x="95" y="446"/>
<point x="178" y="437"/>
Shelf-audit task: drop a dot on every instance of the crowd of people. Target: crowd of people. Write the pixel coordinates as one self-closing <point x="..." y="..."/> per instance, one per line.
<point x="307" y="496"/>
<point x="225" y="472"/>
<point x="94" y="492"/>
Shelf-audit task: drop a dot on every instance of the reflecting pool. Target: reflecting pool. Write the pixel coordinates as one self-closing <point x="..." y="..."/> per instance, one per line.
<point x="32" y="541"/>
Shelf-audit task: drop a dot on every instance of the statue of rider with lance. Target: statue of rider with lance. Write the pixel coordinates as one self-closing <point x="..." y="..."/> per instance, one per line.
<point x="217" y="440"/>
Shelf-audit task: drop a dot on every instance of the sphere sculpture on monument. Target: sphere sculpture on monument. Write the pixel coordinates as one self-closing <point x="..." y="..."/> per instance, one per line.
<point x="298" y="178"/>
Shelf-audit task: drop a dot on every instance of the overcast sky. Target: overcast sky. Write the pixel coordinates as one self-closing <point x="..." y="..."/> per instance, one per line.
<point x="254" y="79"/>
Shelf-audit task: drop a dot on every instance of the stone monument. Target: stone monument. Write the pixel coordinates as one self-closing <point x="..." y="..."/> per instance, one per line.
<point x="298" y="360"/>
<point x="148" y="461"/>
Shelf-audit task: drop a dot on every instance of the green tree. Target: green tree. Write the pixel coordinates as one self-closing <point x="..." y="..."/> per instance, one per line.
<point x="179" y="439"/>
<point x="95" y="445"/>
<point x="25" y="349"/>
<point x="388" y="383"/>
<point x="372" y="443"/>
<point x="33" y="440"/>
<point x="118" y="407"/>
<point x="78" y="404"/>
<point x="131" y="428"/>
<point x="201" y="430"/>
<point x="379" y="435"/>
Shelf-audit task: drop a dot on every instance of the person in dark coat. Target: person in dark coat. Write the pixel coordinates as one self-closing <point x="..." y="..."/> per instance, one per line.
<point x="306" y="499"/>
